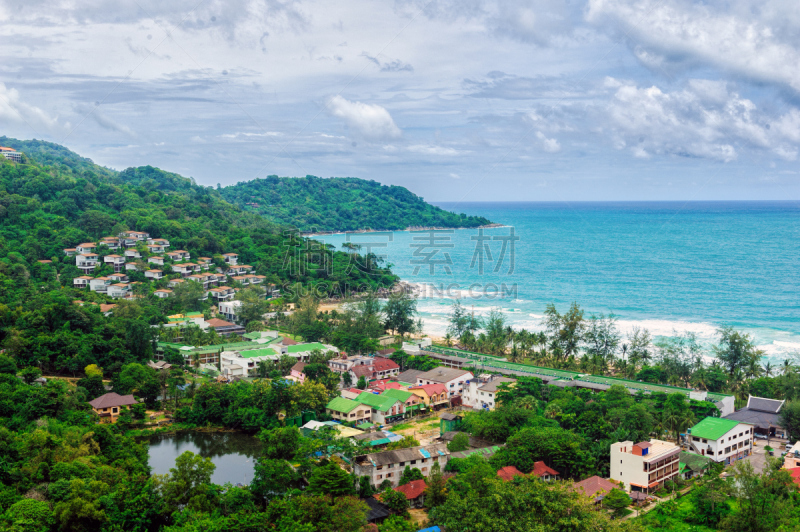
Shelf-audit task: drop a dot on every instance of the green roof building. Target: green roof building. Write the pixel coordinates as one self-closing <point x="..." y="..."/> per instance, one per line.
<point x="342" y="405"/>
<point x="385" y="407"/>
<point x="403" y="396"/>
<point x="722" y="440"/>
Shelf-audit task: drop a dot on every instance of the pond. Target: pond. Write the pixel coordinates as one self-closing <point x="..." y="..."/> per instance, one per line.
<point x="233" y="453"/>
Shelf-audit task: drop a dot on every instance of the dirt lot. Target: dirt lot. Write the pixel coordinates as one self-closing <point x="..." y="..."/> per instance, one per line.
<point x="419" y="517"/>
<point x="424" y="430"/>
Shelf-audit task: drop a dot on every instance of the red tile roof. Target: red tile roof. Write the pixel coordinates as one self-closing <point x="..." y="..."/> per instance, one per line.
<point x="540" y="469"/>
<point x="509" y="472"/>
<point x="384" y="364"/>
<point x="288" y="341"/>
<point x="794" y="472"/>
<point x="430" y="389"/>
<point x="362" y="371"/>
<point x="413" y="489"/>
<point x="593" y="485"/>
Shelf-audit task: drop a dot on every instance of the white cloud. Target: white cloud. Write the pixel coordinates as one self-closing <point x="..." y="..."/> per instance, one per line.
<point x="548" y="145"/>
<point x="433" y="150"/>
<point x="754" y="39"/>
<point x="371" y="120"/>
<point x="14" y="110"/>
<point x="703" y="120"/>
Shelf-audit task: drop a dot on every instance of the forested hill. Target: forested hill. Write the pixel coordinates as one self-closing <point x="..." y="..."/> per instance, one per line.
<point x="341" y="204"/>
<point x="56" y="199"/>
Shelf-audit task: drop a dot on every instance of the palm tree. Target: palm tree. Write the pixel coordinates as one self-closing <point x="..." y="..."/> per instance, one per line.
<point x="448" y="340"/>
<point x="787" y="367"/>
<point x="195" y="361"/>
<point x="768" y="369"/>
<point x="527" y="403"/>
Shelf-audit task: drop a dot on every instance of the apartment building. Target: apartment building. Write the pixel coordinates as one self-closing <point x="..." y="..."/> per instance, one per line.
<point x="644" y="466"/>
<point x="722" y="440"/>
<point x="343" y="409"/>
<point x="389" y="465"/>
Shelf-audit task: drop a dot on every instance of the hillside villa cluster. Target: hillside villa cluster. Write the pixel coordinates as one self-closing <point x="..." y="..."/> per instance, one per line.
<point x="127" y="255"/>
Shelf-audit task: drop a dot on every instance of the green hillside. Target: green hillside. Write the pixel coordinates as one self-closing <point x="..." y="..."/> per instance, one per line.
<point x="56" y="199"/>
<point x="341" y="204"/>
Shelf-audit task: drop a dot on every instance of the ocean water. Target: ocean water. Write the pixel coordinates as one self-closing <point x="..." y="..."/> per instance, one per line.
<point x="666" y="266"/>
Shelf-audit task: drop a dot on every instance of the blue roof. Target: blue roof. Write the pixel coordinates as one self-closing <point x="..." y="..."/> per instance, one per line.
<point x="430" y="529"/>
<point x="424" y="453"/>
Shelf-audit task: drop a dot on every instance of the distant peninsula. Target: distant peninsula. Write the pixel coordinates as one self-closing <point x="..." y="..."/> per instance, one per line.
<point x="339" y="204"/>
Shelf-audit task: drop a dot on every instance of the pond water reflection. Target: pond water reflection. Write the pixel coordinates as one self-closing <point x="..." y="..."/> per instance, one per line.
<point x="232" y="452"/>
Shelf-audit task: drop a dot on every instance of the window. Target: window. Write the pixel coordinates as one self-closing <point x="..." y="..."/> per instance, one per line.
<point x="413" y="462"/>
<point x="389" y="475"/>
<point x="379" y="477"/>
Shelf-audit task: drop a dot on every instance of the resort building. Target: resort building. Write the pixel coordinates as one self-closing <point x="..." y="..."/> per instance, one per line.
<point x="644" y="466"/>
<point x="11" y="154"/>
<point x="389" y="465"/>
<point x="722" y="440"/>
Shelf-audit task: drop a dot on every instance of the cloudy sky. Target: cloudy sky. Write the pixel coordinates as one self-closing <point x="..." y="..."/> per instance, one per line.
<point x="458" y="100"/>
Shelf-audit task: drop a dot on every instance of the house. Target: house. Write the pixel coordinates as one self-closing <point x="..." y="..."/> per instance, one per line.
<point x="389" y="465"/>
<point x="106" y="308"/>
<point x="385" y="409"/>
<point x="595" y="487"/>
<point x="118" y="277"/>
<point x="158" y="261"/>
<point x="795" y="474"/>
<point x="230" y="258"/>
<point x="163" y="242"/>
<point x="384" y="368"/>
<point x="154" y="274"/>
<point x="108" y="406"/>
<point x="230" y="309"/>
<point x="416" y="347"/>
<point x="184" y="269"/>
<point x="131" y="266"/>
<point x="543" y="472"/>
<point x="453" y="379"/>
<point x="86" y="247"/>
<point x="162" y="293"/>
<point x="508" y="473"/>
<point x="174" y="282"/>
<point x="155" y="248"/>
<point x="433" y="395"/>
<point x="225" y="328"/>
<point x="70" y="252"/>
<point x="343" y="409"/>
<point x="222" y="293"/>
<point x="792" y="458"/>
<point x="159" y="365"/>
<point x="111" y="242"/>
<point x="723" y="440"/>
<point x="296" y="372"/>
<point x="411" y="401"/>
<point x="414" y="492"/>
<point x="81" y="282"/>
<point x="183" y="254"/>
<point x="644" y="466"/>
<point x="480" y="392"/>
<point x="132" y="254"/>
<point x="86" y="262"/>
<point x="763" y="414"/>
<point x="99" y="284"/>
<point x="129" y="239"/>
<point x="118" y="290"/>
<point x="693" y="465"/>
<point x="345" y="364"/>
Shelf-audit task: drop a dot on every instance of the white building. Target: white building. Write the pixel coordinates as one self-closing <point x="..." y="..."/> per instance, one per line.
<point x="644" y="466"/>
<point x="480" y="392"/>
<point x="99" y="284"/>
<point x="453" y="379"/>
<point x="230" y="309"/>
<point x="11" y="154"/>
<point x="723" y="440"/>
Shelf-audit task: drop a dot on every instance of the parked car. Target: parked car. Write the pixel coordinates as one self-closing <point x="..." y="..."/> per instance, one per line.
<point x="761" y="436"/>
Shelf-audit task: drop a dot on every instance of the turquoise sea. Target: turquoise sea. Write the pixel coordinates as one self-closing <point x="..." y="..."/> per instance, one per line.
<point x="665" y="266"/>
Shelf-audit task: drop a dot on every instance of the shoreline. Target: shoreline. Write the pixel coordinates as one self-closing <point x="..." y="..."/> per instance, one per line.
<point x="407" y="229"/>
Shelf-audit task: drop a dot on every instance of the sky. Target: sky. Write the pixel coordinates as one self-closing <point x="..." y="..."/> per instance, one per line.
<point x="457" y="100"/>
